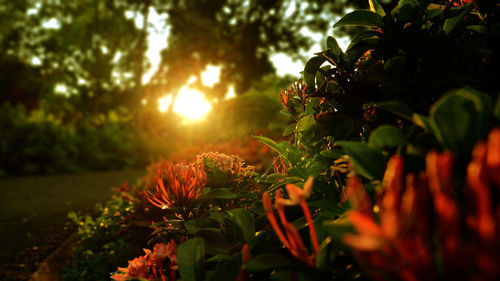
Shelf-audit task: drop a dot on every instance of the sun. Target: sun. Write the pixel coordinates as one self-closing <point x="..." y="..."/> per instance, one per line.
<point x="190" y="103"/>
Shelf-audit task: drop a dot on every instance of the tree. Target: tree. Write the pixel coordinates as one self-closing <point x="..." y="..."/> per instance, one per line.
<point x="237" y="35"/>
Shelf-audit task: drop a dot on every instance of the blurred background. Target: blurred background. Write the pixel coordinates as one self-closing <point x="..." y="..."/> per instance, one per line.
<point x="111" y="84"/>
<point x="91" y="86"/>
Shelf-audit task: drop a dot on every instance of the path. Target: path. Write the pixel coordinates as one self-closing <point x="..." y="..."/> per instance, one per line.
<point x="33" y="214"/>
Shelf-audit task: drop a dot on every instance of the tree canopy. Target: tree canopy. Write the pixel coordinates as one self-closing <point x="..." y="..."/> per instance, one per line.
<point x="94" y="51"/>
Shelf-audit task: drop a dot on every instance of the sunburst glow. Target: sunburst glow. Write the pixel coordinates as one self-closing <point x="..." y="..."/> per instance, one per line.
<point x="164" y="103"/>
<point x="190" y="103"/>
<point x="211" y="75"/>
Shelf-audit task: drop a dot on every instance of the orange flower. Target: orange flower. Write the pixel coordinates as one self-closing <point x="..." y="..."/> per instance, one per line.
<point x="184" y="183"/>
<point x="137" y="268"/>
<point x="245" y="258"/>
<point x="418" y="215"/>
<point x="297" y="90"/>
<point x="291" y="238"/>
<point x="152" y="261"/>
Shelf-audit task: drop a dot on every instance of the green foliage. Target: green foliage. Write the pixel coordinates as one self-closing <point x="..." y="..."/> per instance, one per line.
<point x="40" y="142"/>
<point x="103" y="241"/>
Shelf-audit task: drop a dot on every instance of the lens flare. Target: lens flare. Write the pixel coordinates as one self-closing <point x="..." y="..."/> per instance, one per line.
<point x="191" y="104"/>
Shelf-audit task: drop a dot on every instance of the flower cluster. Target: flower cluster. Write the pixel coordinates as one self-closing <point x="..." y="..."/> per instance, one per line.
<point x="177" y="185"/>
<point x="231" y="165"/>
<point x="298" y="90"/>
<point x="402" y="241"/>
<point x="151" y="265"/>
<point x="291" y="238"/>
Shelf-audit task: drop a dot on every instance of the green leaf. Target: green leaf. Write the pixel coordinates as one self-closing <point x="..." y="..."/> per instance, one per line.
<point x="305" y="123"/>
<point x="360" y="18"/>
<point x="267" y="261"/>
<point x="273" y="145"/>
<point x="387" y="135"/>
<point x="197" y="224"/>
<point x="326" y="254"/>
<point x="406" y="9"/>
<point x="310" y="69"/>
<point x="289" y="130"/>
<point x="496" y="110"/>
<point x="398" y="108"/>
<point x="220" y="193"/>
<point x="460" y="118"/>
<point x="219" y="258"/>
<point x="190" y="258"/>
<point x="451" y="23"/>
<point x="332" y="44"/>
<point x="360" y="36"/>
<point x="332" y="154"/>
<point x="244" y="224"/>
<point x="368" y="161"/>
<point x="477" y="28"/>
<point x="375" y="7"/>
<point x="215" y="243"/>
<point x="422" y="121"/>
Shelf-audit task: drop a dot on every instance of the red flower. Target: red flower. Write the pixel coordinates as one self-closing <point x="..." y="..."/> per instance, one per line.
<point x="184" y="183"/>
<point x="291" y="238"/>
<point x="420" y="214"/>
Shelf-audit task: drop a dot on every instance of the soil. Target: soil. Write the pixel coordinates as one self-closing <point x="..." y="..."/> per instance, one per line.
<point x="33" y="214"/>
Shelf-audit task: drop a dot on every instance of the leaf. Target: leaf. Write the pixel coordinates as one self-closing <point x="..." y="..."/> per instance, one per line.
<point x="289" y="130"/>
<point x="267" y="261"/>
<point x="460" y="118"/>
<point x="422" y="121"/>
<point x="273" y="145"/>
<point x="219" y="193"/>
<point x="197" y="224"/>
<point x="326" y="254"/>
<point x="387" y="135"/>
<point x="219" y="258"/>
<point x="496" y="110"/>
<point x="305" y="123"/>
<point x="368" y="161"/>
<point x="215" y="243"/>
<point x="375" y="7"/>
<point x="451" y="23"/>
<point x="360" y="36"/>
<point x="360" y="18"/>
<point x="310" y="69"/>
<point x="398" y="108"/>
<point x="332" y="154"/>
<point x="477" y="28"/>
<point x="190" y="258"/>
<point x="244" y="224"/>
<point x="332" y="44"/>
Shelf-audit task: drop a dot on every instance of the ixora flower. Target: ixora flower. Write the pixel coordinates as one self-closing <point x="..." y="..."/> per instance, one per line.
<point x="151" y="262"/>
<point x="291" y="238"/>
<point x="137" y="268"/>
<point x="229" y="164"/>
<point x="297" y="90"/>
<point x="419" y="230"/>
<point x="177" y="185"/>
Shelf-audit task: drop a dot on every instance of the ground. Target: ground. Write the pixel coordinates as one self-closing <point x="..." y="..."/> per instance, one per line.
<point x="33" y="214"/>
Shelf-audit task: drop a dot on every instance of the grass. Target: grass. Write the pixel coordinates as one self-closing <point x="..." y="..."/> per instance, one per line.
<point x="33" y="214"/>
